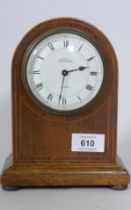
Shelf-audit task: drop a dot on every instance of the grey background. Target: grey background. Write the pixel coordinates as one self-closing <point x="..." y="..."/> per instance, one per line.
<point x="113" y="18"/>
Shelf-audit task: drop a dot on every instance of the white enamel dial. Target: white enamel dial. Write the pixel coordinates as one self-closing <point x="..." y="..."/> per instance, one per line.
<point x="64" y="71"/>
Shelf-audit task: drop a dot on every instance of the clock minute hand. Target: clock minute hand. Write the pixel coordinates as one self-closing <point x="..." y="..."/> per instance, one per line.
<point x="81" y="68"/>
<point x="60" y="96"/>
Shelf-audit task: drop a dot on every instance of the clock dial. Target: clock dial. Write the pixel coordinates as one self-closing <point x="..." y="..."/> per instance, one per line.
<point x="64" y="71"/>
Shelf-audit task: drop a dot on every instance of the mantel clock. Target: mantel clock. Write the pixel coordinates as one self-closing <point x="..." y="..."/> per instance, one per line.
<point x="64" y="109"/>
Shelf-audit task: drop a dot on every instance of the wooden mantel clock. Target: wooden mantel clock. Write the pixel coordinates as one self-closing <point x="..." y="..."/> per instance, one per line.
<point x="64" y="95"/>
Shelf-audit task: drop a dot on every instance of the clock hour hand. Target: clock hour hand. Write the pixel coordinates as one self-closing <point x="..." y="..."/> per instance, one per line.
<point x="81" y="68"/>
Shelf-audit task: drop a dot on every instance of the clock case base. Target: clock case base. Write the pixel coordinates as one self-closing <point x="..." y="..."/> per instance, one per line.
<point x="112" y="175"/>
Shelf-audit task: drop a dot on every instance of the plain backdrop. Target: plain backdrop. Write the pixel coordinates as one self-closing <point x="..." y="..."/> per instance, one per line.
<point x="113" y="17"/>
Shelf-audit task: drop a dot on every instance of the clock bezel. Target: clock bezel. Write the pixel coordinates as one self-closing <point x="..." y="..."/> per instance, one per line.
<point x="34" y="43"/>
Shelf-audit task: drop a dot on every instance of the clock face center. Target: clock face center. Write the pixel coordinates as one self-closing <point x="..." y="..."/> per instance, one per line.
<point x="65" y="72"/>
<point x="53" y="71"/>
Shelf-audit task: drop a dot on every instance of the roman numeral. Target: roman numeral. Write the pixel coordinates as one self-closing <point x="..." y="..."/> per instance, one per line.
<point x="51" y="46"/>
<point x="80" y="47"/>
<point x="66" y="43"/>
<point x="64" y="102"/>
<point x="89" y="87"/>
<point x="36" y="72"/>
<point x="91" y="58"/>
<point x="39" y="86"/>
<point x="79" y="99"/>
<point x="39" y="57"/>
<point x="93" y="73"/>
<point x="49" y="97"/>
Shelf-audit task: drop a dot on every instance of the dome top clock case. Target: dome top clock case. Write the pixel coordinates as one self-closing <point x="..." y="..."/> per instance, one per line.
<point x="64" y="97"/>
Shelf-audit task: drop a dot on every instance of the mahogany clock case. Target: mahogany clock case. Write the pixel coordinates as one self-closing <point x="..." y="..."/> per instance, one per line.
<point x="42" y="153"/>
